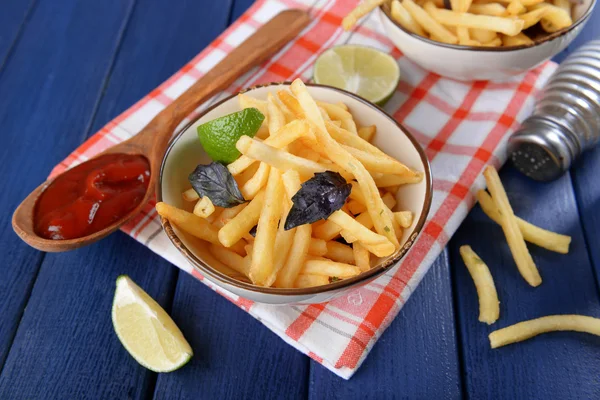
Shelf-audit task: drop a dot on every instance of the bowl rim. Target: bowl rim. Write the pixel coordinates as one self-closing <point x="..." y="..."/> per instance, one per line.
<point x="484" y="49"/>
<point x="218" y="276"/>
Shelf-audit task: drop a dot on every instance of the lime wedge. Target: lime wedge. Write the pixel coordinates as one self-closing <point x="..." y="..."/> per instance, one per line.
<point x="219" y="136"/>
<point x="146" y="330"/>
<point x="367" y="72"/>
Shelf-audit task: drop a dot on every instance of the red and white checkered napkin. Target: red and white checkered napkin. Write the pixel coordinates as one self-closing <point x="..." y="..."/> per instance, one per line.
<point x="462" y="126"/>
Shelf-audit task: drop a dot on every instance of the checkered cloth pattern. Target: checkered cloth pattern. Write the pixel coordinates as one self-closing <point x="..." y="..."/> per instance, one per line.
<point x="462" y="127"/>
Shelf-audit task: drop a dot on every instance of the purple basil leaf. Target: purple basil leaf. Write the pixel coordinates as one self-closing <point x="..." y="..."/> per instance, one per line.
<point x="318" y="198"/>
<point x="216" y="182"/>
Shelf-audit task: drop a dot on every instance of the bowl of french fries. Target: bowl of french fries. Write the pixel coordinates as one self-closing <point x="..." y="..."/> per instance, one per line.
<point x="332" y="194"/>
<point x="479" y="39"/>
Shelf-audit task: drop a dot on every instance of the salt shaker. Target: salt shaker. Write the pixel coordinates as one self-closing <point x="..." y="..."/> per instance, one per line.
<point x="566" y="119"/>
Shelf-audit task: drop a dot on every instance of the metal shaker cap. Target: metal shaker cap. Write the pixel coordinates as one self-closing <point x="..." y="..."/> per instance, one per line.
<point x="541" y="149"/>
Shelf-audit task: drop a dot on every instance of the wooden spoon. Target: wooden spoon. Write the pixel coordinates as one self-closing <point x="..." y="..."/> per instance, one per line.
<point x="152" y="141"/>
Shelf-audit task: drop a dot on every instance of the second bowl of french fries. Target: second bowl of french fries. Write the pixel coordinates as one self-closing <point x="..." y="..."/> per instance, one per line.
<point x="310" y="133"/>
<point x="479" y="39"/>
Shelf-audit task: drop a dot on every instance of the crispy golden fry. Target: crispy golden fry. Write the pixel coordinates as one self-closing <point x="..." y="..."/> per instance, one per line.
<point x="336" y="112"/>
<point x="330" y="230"/>
<point x="356" y="193"/>
<point x="305" y="281"/>
<point x="483" y="35"/>
<point x="228" y="213"/>
<point x="317" y="247"/>
<point x="489" y="306"/>
<point x="428" y="23"/>
<point x="339" y="252"/>
<point x="215" y="263"/>
<point x="507" y="26"/>
<point x="360" y="11"/>
<point x="515" y="7"/>
<point x="403" y="17"/>
<point x="531" y="233"/>
<point x="463" y="36"/>
<point x="565" y="5"/>
<point x="302" y="239"/>
<point x="283" y="242"/>
<point x="386" y="180"/>
<point x="555" y="18"/>
<point x="291" y="103"/>
<point x="515" y="240"/>
<point x="188" y="222"/>
<point x="324" y="114"/>
<point x="326" y="267"/>
<point x="204" y="208"/>
<point x="381" y="245"/>
<point x="216" y="214"/>
<point x="342" y="105"/>
<point x="230" y="259"/>
<point x="494" y="43"/>
<point x="517" y="40"/>
<point x="361" y="257"/>
<point x="356" y="207"/>
<point x="367" y="132"/>
<point x="526" y="3"/>
<point x="346" y="161"/>
<point x="247" y="174"/>
<point x="190" y="195"/>
<point x="241" y="223"/>
<point x="276" y="117"/>
<point x="495" y="9"/>
<point x="389" y="200"/>
<point x="308" y="153"/>
<point x="250" y="102"/>
<point x="404" y="218"/>
<point x="392" y="189"/>
<point x="533" y="17"/>
<point x="277" y="158"/>
<point x="263" y="253"/>
<point x="287" y="134"/>
<point x="257" y="182"/>
<point x="528" y="329"/>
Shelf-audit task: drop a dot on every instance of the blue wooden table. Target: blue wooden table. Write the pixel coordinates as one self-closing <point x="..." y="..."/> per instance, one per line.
<point x="67" y="67"/>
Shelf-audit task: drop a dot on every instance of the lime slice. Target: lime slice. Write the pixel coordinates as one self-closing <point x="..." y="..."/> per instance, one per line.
<point x="369" y="73"/>
<point x="146" y="330"/>
<point x="219" y="136"/>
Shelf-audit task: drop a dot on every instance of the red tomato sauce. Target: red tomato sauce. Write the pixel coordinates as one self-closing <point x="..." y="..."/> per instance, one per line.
<point x="91" y="196"/>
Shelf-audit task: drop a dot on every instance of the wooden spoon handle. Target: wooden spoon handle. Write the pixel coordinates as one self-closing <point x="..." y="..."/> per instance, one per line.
<point x="267" y="40"/>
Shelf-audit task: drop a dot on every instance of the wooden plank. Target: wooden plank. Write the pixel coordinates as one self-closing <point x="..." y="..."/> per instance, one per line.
<point x="587" y="192"/>
<point x="65" y="347"/>
<point x="416" y="357"/>
<point x="12" y="21"/>
<point x="49" y="89"/>
<point x="555" y="365"/>
<point x="235" y="356"/>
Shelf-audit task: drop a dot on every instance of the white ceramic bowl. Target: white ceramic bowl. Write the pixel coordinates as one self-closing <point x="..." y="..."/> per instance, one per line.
<point x="185" y="153"/>
<point x="469" y="63"/>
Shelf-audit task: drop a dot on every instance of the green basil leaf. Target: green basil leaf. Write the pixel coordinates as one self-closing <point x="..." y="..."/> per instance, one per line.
<point x="216" y="182"/>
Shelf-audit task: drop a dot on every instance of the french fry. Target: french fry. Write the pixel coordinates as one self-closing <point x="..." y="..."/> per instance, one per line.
<point x="342" y="105"/>
<point x="246" y="101"/>
<point x="330" y="230"/>
<point x="403" y="17"/>
<point x="324" y="114"/>
<point x="257" y="182"/>
<point x="188" y="222"/>
<point x="361" y="257"/>
<point x="339" y="252"/>
<point x="367" y="132"/>
<point x="565" y="5"/>
<point x="356" y="193"/>
<point x="495" y="9"/>
<point x="291" y="103"/>
<point x="338" y="113"/>
<point x="532" y="17"/>
<point x="404" y="218"/>
<point x="283" y="243"/>
<point x="241" y="223"/>
<point x="276" y="158"/>
<point x="515" y="7"/>
<point x="386" y="180"/>
<point x="507" y="26"/>
<point x="515" y="240"/>
<point x="263" y="257"/>
<point x="517" y="40"/>
<point x="190" y="195"/>
<point x="216" y="214"/>
<point x="345" y="160"/>
<point x="276" y="117"/>
<point x="392" y="189"/>
<point x="463" y="36"/>
<point x="305" y="281"/>
<point x="229" y="213"/>
<point x="356" y="207"/>
<point x="489" y="306"/>
<point x="428" y="23"/>
<point x="494" y="43"/>
<point x="551" y="323"/>
<point x="360" y="11"/>
<point x="302" y="239"/>
<point x="389" y="200"/>
<point x="217" y="264"/>
<point x="483" y="35"/>
<point x="383" y="248"/>
<point x="230" y="259"/>
<point x="204" y="207"/>
<point x="317" y="247"/>
<point x="287" y="134"/>
<point x="329" y="268"/>
<point x="531" y="233"/>
<point x="555" y="18"/>
<point x="308" y="153"/>
<point x="247" y="174"/>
